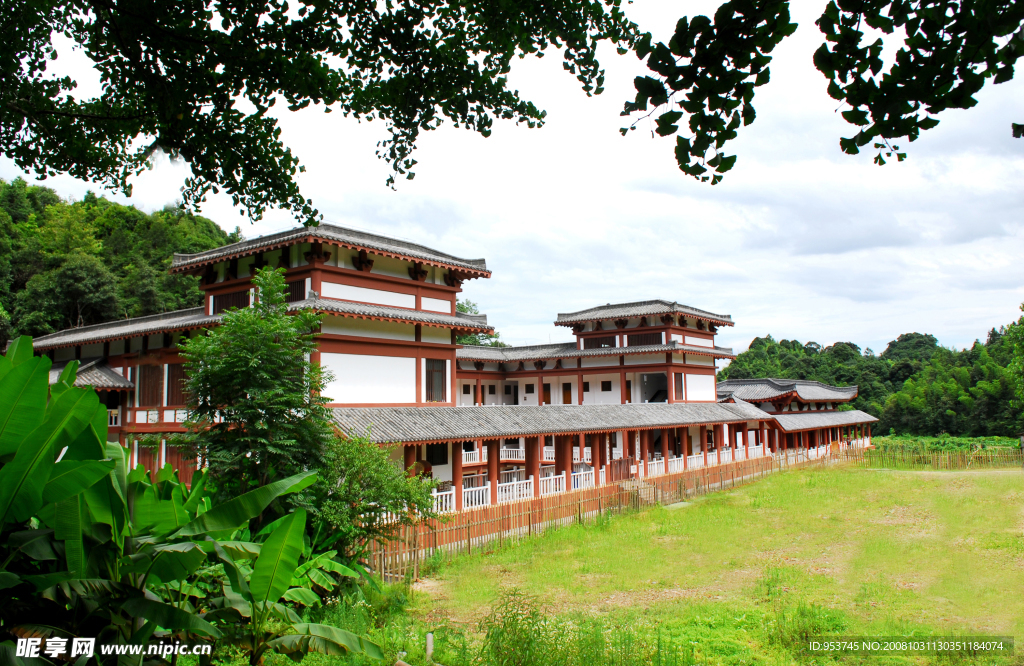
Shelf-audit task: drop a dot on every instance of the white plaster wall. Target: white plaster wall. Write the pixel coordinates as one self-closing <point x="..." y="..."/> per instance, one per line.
<point x="362" y="379"/>
<point x="441" y="336"/>
<point x="347" y="292"/>
<point x="699" y="341"/>
<point x="677" y="337"/>
<point x="436" y="305"/>
<point x="93" y="350"/>
<point x="369" y="329"/>
<point x="599" y="361"/>
<point x="696" y="359"/>
<point x="700" y="388"/>
<point x="389" y="266"/>
<point x="529" y="398"/>
<point x="644" y="359"/>
<point x="595" y="396"/>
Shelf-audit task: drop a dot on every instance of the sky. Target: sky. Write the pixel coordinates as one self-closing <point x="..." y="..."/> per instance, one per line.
<point x="799" y="241"/>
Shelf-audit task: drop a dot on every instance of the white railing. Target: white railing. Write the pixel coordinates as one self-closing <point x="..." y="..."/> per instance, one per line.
<point x="757" y="451"/>
<point x="583" y="480"/>
<point x="603" y="481"/>
<point x="675" y="465"/>
<point x="473" y="497"/>
<point x="549" y="485"/>
<point x="512" y="454"/>
<point x="516" y="490"/>
<point x="712" y="458"/>
<point x="510" y="475"/>
<point x="655" y="468"/>
<point x="113" y="418"/>
<point x="549" y="454"/>
<point x="587" y="455"/>
<point x="695" y="461"/>
<point x="444" y="502"/>
<point x="470" y="457"/>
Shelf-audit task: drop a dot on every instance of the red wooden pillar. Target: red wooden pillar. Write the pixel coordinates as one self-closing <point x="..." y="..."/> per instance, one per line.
<point x="579" y="386"/>
<point x="533" y="456"/>
<point x="409" y="458"/>
<point x="645" y="445"/>
<point x="671" y="392"/>
<point x="567" y="457"/>
<point x="583" y="446"/>
<point x="704" y="443"/>
<point x="457" y="473"/>
<point x="665" y="434"/>
<point x="746" y="441"/>
<point x="630" y="444"/>
<point x="492" y="468"/>
<point x="479" y="393"/>
<point x="622" y="386"/>
<point x="596" y="440"/>
<point x="684" y="439"/>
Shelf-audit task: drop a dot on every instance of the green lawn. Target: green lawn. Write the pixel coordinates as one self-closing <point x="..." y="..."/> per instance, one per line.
<point x="868" y="552"/>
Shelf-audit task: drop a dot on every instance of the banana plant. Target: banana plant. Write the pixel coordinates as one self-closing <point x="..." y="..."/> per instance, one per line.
<point x="91" y="548"/>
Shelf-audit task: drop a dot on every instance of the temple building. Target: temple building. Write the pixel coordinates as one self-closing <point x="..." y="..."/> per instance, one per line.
<point x="634" y="394"/>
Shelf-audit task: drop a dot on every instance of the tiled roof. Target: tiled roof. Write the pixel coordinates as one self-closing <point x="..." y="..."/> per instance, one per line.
<point x="125" y="328"/>
<point x="427" y="424"/>
<point x="762" y="390"/>
<point x="329" y="233"/>
<point x="812" y="420"/>
<point x="639" y="309"/>
<point x="196" y="318"/>
<point x="458" y="320"/>
<point x="569" y="350"/>
<point x="95" y="373"/>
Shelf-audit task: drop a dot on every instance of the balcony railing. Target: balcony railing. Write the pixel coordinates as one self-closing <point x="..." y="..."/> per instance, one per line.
<point x="474" y="497"/>
<point x="549" y="454"/>
<point x="512" y="454"/>
<point x="444" y="502"/>
<point x="576" y="454"/>
<point x="510" y="475"/>
<point x="582" y="480"/>
<point x="655" y="468"/>
<point x="549" y="485"/>
<point x="471" y="457"/>
<point x="516" y="490"/>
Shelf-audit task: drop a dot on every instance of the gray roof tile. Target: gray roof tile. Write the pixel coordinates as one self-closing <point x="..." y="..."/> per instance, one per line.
<point x="569" y="350"/>
<point x="812" y="420"/>
<point x="639" y="309"/>
<point x="426" y="424"/>
<point x="95" y="373"/>
<point x="458" y="320"/>
<point x="761" y="390"/>
<point x="331" y="234"/>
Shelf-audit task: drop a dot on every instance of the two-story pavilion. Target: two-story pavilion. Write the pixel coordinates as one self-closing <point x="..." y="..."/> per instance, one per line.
<point x="637" y="384"/>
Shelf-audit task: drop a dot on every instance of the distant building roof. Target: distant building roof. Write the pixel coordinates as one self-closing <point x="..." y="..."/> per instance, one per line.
<point x="95" y="373"/>
<point x="768" y="390"/>
<point x="796" y="421"/>
<point x="329" y="233"/>
<point x="197" y="318"/>
<point x="432" y="424"/>
<point x="569" y="350"/>
<point x="639" y="309"/>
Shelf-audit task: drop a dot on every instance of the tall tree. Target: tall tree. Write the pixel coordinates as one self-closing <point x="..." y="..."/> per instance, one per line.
<point x="177" y="80"/>
<point x="255" y="407"/>
<point x="79" y="292"/>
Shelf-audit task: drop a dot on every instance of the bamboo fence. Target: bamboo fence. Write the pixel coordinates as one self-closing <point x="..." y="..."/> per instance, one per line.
<point x="490" y="527"/>
<point x="982" y="459"/>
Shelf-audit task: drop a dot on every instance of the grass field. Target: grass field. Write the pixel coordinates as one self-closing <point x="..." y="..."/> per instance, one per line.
<point x="737" y="574"/>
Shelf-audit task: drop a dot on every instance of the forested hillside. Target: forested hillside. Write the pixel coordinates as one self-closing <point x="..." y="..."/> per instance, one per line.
<point x="73" y="263"/>
<point x="915" y="386"/>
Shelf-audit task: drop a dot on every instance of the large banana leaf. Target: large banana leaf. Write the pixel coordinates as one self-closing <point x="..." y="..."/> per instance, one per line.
<point x="236" y="512"/>
<point x="23" y="392"/>
<point x="65" y="381"/>
<point x="160" y="515"/>
<point x="325" y="639"/>
<point x="23" y="479"/>
<point x="70" y="477"/>
<point x="278" y="560"/>
<point x="68" y="528"/>
<point x="302" y="595"/>
<point x="237" y="580"/>
<point x="168" y="617"/>
<point x="20" y="351"/>
<point x="239" y="550"/>
<point x="166" y="563"/>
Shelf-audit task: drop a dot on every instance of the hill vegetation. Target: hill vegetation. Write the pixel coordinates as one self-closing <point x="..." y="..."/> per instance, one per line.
<point x="915" y="386"/>
<point x="73" y="263"/>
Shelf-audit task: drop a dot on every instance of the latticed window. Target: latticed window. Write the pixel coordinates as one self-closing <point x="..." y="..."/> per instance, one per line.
<point x="151" y="385"/>
<point x="236" y="299"/>
<point x="435" y="380"/>
<point x="598" y="343"/>
<point x="295" y="291"/>
<point x="641" y="339"/>
<point x="176" y="384"/>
